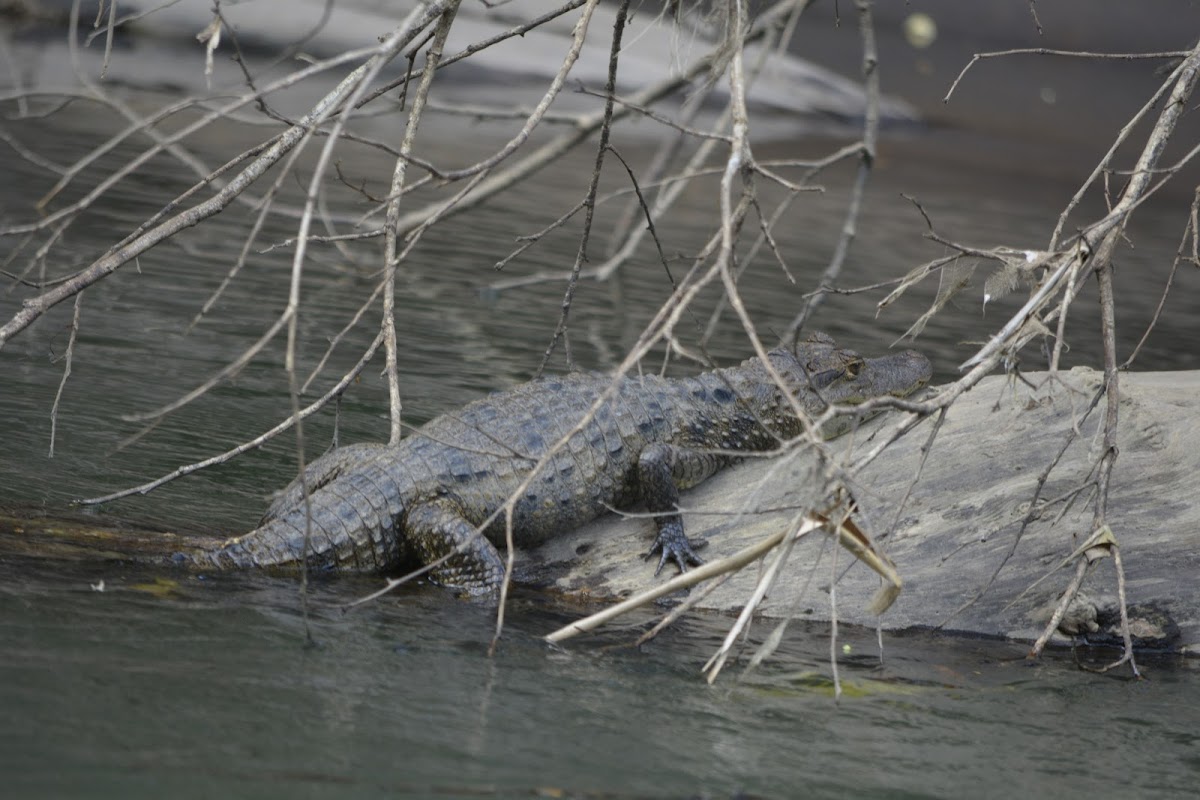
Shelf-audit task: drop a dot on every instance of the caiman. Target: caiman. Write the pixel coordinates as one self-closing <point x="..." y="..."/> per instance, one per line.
<point x="376" y="508"/>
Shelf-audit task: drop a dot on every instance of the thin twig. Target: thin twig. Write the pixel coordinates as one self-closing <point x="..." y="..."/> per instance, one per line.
<point x="870" y="68"/>
<point x="391" y="260"/>
<point x="1081" y="568"/>
<point x="1189" y="231"/>
<point x="66" y="372"/>
<point x="1044" y="51"/>
<point x="589" y="202"/>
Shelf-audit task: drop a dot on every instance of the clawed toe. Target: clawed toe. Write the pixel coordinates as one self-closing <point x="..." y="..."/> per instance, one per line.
<point x="679" y="549"/>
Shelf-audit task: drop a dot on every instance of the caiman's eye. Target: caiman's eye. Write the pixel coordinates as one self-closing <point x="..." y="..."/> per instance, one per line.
<point x="854" y="367"/>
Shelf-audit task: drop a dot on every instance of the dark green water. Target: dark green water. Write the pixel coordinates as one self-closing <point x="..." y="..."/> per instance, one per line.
<point x="206" y="687"/>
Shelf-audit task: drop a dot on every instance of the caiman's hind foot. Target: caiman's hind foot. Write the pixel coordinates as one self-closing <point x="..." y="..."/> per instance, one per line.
<point x="676" y="547"/>
<point x="438" y="530"/>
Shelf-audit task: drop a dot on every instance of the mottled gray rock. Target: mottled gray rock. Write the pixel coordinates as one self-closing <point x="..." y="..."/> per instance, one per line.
<point x="962" y="519"/>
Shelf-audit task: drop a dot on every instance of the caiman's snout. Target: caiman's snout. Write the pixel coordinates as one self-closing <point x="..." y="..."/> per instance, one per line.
<point x="913" y="369"/>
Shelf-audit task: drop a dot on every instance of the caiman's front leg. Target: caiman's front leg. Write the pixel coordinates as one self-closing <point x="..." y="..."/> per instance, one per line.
<point x="664" y="469"/>
<point x="436" y="528"/>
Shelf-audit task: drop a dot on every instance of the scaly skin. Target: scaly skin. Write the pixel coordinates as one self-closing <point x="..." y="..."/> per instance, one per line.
<point x="376" y="508"/>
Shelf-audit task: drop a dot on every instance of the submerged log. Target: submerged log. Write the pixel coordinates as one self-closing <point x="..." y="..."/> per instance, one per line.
<point x="90" y="537"/>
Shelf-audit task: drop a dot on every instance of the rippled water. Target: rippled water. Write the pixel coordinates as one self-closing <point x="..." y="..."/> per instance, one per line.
<point x="171" y="685"/>
<point x="204" y="688"/>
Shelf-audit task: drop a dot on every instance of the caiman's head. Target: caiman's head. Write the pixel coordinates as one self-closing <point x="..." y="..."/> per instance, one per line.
<point x="821" y="373"/>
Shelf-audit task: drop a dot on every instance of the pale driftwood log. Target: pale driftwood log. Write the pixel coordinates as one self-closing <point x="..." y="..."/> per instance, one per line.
<point x="962" y="519"/>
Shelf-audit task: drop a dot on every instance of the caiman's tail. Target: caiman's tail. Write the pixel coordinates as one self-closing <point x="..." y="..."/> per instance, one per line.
<point x="84" y="538"/>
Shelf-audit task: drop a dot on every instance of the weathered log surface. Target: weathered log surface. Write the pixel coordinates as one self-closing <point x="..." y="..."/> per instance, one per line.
<point x="962" y="519"/>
